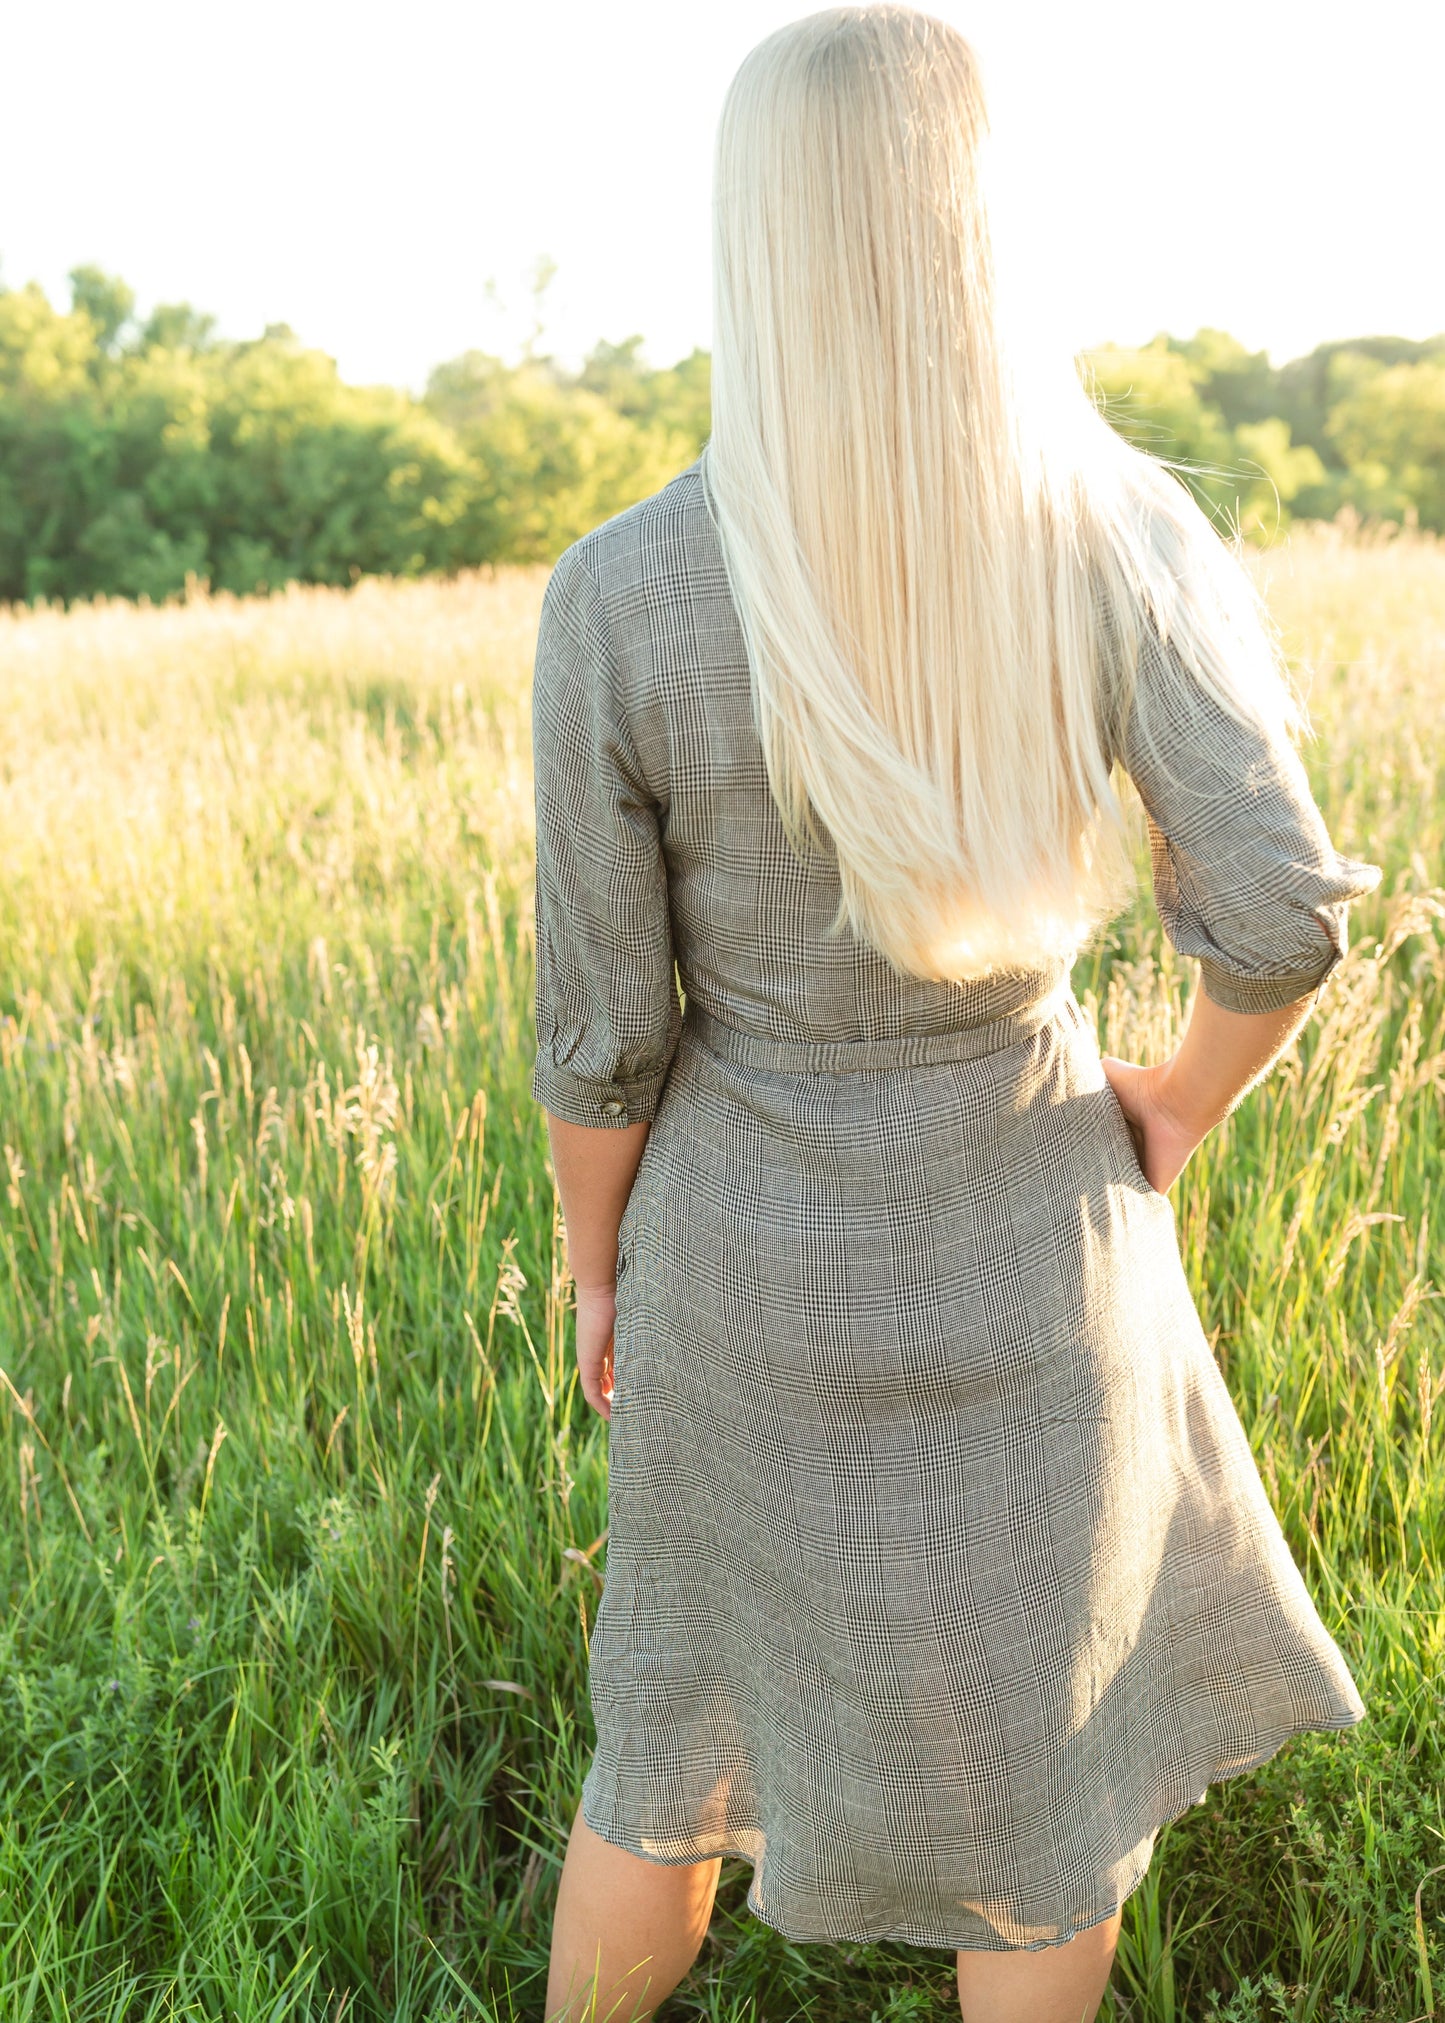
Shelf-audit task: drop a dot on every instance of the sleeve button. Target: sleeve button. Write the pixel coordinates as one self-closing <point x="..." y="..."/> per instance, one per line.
<point x="612" y="1109"/>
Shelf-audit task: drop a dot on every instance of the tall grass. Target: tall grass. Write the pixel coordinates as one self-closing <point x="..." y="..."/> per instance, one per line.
<point x="303" y="1519"/>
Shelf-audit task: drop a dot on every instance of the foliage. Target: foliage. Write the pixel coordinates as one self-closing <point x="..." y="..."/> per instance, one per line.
<point x="134" y="458"/>
<point x="302" y="1513"/>
<point x="1302" y="441"/>
<point x="137" y="456"/>
<point x="551" y="458"/>
<point x="127" y="467"/>
<point x="1203" y="405"/>
<point x="1390" y="433"/>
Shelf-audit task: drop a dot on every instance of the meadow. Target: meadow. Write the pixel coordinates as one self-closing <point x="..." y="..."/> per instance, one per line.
<point x="303" y="1517"/>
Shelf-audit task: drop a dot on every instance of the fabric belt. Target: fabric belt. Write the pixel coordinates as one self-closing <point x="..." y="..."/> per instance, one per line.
<point x="908" y="1050"/>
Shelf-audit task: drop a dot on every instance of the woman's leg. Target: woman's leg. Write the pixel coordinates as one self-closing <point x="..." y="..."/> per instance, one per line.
<point x="1060" y="1984"/>
<point x="625" y="1930"/>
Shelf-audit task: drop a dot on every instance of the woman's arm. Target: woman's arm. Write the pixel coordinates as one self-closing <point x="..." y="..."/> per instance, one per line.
<point x="595" y="1171"/>
<point x="1247" y="881"/>
<point x="608" y="1016"/>
<point x="1172" y="1107"/>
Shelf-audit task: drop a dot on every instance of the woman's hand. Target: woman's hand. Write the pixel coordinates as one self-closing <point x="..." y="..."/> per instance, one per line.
<point x="1164" y="1141"/>
<point x="1172" y="1108"/>
<point x="596" y="1313"/>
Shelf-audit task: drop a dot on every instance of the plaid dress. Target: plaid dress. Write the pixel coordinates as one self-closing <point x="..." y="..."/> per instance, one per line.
<point x="940" y="1575"/>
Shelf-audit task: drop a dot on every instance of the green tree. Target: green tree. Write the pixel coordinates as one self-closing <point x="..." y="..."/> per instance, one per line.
<point x="1390" y="432"/>
<point x="1150" y="394"/>
<point x="44" y="354"/>
<point x="677" y="397"/>
<point x="319" y="481"/>
<point x="1308" y="389"/>
<point x="53" y="475"/>
<point x="1241" y="384"/>
<point x="176" y="326"/>
<point x="1157" y="396"/>
<point x="105" y="299"/>
<point x="551" y="455"/>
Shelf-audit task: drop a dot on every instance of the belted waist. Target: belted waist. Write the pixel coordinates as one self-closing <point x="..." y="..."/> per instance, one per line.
<point x="908" y="1050"/>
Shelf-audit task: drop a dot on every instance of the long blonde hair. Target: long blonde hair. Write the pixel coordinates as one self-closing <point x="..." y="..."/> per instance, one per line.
<point x="943" y="559"/>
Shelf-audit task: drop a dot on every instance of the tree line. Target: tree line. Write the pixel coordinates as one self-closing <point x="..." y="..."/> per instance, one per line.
<point x="137" y="455"/>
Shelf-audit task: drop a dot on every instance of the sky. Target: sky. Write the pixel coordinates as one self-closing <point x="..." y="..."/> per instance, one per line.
<point x="386" y="179"/>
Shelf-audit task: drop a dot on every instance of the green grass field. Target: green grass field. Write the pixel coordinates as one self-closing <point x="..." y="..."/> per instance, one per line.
<point x="303" y="1516"/>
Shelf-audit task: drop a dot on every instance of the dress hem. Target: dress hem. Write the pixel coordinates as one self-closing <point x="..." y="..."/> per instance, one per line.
<point x="908" y="1936"/>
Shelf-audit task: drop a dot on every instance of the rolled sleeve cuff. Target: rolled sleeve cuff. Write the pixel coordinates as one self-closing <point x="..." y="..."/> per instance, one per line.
<point x="603" y="1106"/>
<point x="1261" y="993"/>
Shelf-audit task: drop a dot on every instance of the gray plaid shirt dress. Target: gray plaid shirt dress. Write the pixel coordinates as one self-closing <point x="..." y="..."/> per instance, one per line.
<point x="940" y="1576"/>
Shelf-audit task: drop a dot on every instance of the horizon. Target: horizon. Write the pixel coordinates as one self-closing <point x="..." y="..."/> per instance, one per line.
<point x="540" y="353"/>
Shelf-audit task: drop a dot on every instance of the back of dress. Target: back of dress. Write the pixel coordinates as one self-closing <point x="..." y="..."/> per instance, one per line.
<point x="940" y="1575"/>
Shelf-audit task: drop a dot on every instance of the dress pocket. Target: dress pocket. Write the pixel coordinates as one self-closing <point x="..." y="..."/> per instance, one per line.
<point x="634" y="1213"/>
<point x="1127" y="1152"/>
<point x="637" y="1232"/>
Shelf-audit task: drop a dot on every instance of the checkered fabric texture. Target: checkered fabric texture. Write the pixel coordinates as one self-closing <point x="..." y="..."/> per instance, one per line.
<point x="940" y="1576"/>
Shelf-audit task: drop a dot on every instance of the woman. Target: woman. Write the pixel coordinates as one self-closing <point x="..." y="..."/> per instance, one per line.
<point x="940" y="1576"/>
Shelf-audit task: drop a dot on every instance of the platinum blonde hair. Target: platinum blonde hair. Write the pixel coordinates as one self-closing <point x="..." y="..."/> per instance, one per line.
<point x="943" y="558"/>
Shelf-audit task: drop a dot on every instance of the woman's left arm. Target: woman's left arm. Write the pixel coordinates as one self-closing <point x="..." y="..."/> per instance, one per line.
<point x="595" y="1171"/>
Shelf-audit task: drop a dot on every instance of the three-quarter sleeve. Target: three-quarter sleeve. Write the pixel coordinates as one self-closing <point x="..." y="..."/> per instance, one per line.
<point x="608" y="1018"/>
<point x="1245" y="876"/>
